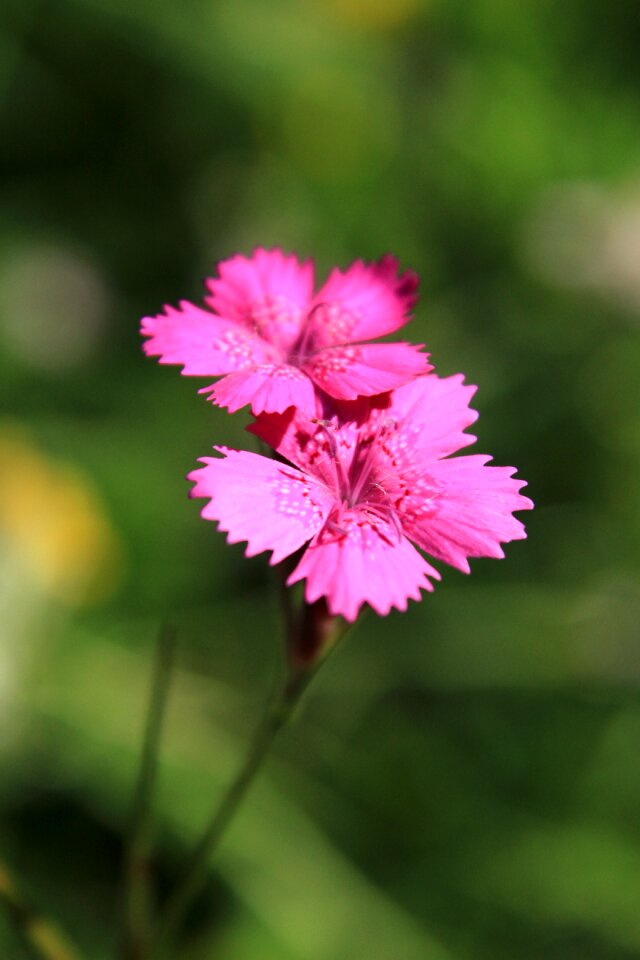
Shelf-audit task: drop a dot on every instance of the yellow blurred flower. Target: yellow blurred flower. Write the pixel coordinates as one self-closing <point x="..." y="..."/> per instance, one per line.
<point x="375" y="14"/>
<point x="54" y="524"/>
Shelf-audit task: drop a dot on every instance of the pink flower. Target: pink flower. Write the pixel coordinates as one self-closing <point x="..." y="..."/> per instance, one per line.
<point x="357" y="493"/>
<point x="274" y="342"/>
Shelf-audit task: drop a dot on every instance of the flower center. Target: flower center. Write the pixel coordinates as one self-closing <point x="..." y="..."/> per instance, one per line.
<point x="326" y="325"/>
<point x="352" y="459"/>
<point x="366" y="486"/>
<point x="355" y="463"/>
<point x="277" y="320"/>
<point x="304" y="344"/>
<point x="338" y="474"/>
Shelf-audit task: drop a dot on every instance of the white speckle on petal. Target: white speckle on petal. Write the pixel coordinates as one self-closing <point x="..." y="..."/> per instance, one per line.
<point x="293" y="497"/>
<point x="281" y="372"/>
<point x="333" y="361"/>
<point x="332" y="323"/>
<point x="237" y="346"/>
<point x="275" y="319"/>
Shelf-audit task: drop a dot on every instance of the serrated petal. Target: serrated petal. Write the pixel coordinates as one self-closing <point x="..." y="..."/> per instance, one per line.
<point x="269" y="388"/>
<point x="270" y="292"/>
<point x="270" y="505"/>
<point x="365" y="369"/>
<point x="358" y="561"/>
<point x="472" y="513"/>
<point x="366" y="301"/>
<point x="202" y="343"/>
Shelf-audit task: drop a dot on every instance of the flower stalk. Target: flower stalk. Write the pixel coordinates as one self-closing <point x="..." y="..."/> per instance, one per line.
<point x="309" y="642"/>
<point x="138" y="900"/>
<point x="42" y="936"/>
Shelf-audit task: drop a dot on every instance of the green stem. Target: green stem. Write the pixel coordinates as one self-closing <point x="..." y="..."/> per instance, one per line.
<point x="42" y="936"/>
<point x="138" y="905"/>
<point x="277" y="715"/>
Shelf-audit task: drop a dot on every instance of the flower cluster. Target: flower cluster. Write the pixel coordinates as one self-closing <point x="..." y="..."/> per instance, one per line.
<point x="362" y="433"/>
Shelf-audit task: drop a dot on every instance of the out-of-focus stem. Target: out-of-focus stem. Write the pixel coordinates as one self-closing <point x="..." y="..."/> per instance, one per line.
<point x="310" y="637"/>
<point x="41" y="935"/>
<point x="193" y="878"/>
<point x="138" y="905"/>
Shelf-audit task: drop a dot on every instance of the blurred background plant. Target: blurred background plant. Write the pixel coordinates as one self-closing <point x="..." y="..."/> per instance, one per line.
<point x="464" y="781"/>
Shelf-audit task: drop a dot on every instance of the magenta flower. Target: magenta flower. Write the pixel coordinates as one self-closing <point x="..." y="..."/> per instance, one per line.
<point x="274" y="342"/>
<point x="357" y="493"/>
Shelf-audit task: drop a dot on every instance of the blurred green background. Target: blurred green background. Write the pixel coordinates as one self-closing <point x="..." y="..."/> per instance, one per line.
<point x="464" y="780"/>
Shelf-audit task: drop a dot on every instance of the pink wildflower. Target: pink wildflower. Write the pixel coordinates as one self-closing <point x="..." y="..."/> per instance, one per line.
<point x="357" y="493"/>
<point x="274" y="341"/>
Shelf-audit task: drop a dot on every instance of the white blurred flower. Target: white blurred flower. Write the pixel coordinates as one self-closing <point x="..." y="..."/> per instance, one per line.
<point x="54" y="304"/>
<point x="584" y="236"/>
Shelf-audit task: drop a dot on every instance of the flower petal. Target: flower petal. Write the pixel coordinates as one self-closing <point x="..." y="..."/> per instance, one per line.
<point x="431" y="412"/>
<point x="270" y="388"/>
<point x="270" y="292"/>
<point x="366" y="301"/>
<point x="311" y="444"/>
<point x="365" y="369"/>
<point x="470" y="515"/>
<point x="270" y="505"/>
<point x="362" y="561"/>
<point x="204" y="344"/>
